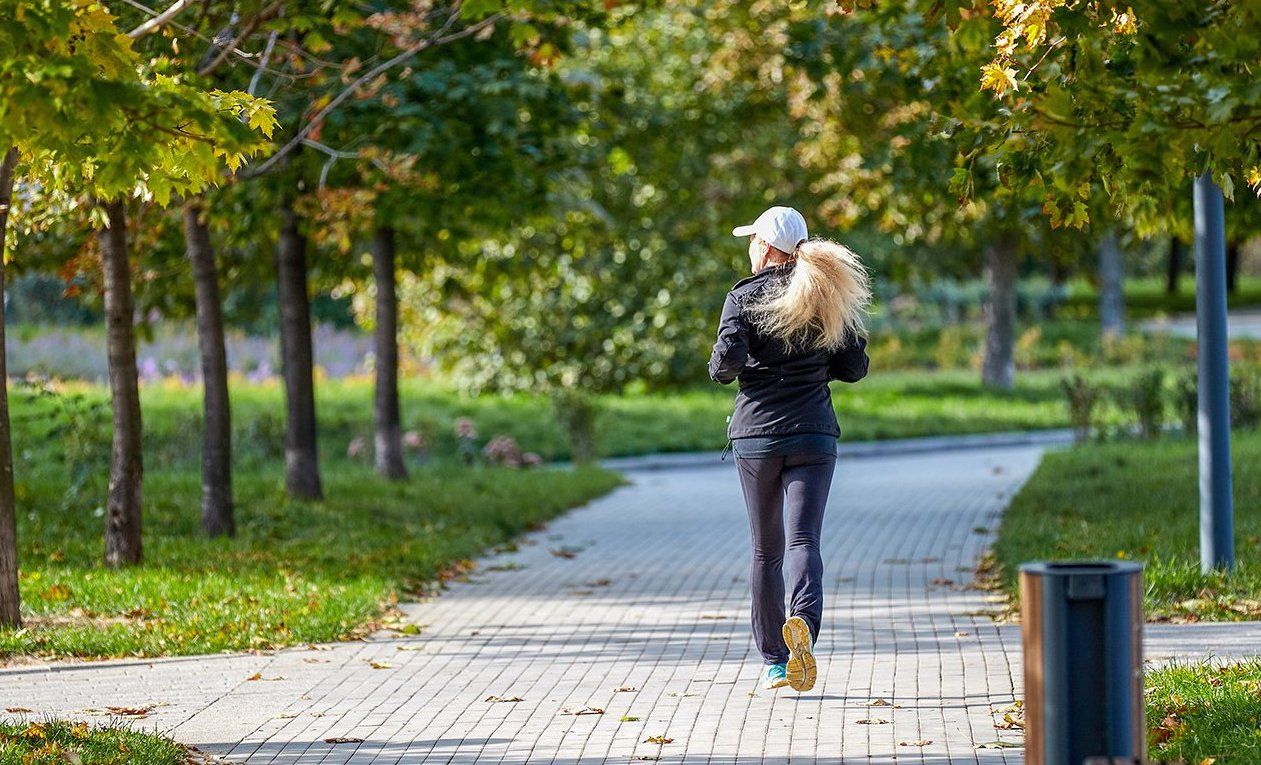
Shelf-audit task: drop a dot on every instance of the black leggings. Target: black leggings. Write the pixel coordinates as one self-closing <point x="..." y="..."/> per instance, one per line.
<point x="805" y="480"/>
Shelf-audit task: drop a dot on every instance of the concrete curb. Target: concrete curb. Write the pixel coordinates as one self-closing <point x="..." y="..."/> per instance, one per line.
<point x="858" y="449"/>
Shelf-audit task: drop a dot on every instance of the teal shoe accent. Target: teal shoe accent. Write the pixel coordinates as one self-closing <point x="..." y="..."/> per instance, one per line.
<point x="775" y="676"/>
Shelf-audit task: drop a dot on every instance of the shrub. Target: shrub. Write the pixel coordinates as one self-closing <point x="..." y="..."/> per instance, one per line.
<point x="576" y="412"/>
<point x="1245" y="397"/>
<point x="1145" y="399"/>
<point x="1187" y="400"/>
<point x="503" y="450"/>
<point x="1083" y="399"/>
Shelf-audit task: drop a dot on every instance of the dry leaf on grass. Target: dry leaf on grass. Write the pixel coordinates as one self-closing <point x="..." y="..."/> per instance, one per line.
<point x="916" y="742"/>
<point x="658" y="740"/>
<point x="503" y="699"/>
<point x="343" y="740"/>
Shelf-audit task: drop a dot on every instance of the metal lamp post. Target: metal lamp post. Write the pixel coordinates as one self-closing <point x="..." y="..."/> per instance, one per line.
<point x="1217" y="550"/>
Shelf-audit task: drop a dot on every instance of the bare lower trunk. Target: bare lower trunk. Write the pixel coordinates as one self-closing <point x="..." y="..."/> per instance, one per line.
<point x="1174" y="268"/>
<point x="1111" y="287"/>
<point x="302" y="468"/>
<point x="216" y="456"/>
<point x="10" y="599"/>
<point x="388" y="443"/>
<point x="122" y="511"/>
<point x="999" y="367"/>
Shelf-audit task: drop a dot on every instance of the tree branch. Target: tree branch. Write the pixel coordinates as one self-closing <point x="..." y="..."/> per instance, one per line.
<point x="438" y="38"/>
<point x="253" y="24"/>
<point x="155" y="23"/>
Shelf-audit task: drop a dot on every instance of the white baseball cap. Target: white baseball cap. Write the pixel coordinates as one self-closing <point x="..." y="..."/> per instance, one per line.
<point x="783" y="227"/>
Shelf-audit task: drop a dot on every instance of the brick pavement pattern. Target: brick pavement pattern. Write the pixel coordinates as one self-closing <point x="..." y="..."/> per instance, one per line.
<point x="637" y="605"/>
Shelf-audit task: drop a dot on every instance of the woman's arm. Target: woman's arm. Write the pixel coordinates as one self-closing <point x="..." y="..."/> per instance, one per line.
<point x="849" y="364"/>
<point x="731" y="351"/>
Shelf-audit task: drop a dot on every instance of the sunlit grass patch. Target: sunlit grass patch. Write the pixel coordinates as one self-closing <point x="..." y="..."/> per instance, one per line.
<point x="56" y="742"/>
<point x="1205" y="711"/>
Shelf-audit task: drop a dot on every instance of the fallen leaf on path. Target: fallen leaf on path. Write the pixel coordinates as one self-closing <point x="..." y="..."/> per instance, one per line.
<point x="1010" y="722"/>
<point x="286" y="716"/>
<point x="715" y="616"/>
<point x="676" y="694"/>
<point x="916" y="742"/>
<point x="411" y="648"/>
<point x="648" y="757"/>
<point x="17" y="710"/>
<point x="998" y="745"/>
<point x="380" y="664"/>
<point x="625" y="689"/>
<point x="130" y="711"/>
<point x="878" y="703"/>
<point x="316" y="661"/>
<point x="580" y="592"/>
<point x="600" y="583"/>
<point x="960" y="633"/>
<point x="343" y="740"/>
<point x="259" y="676"/>
<point x="564" y="552"/>
<point x="628" y="718"/>
<point x="583" y="711"/>
<point x="873" y="721"/>
<point x="503" y="699"/>
<point x="658" y="740"/>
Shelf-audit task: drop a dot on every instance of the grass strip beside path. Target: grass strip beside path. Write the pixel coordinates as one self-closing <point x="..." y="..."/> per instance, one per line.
<point x="297" y="572"/>
<point x="1204" y="711"/>
<point x="50" y="742"/>
<point x="1139" y="501"/>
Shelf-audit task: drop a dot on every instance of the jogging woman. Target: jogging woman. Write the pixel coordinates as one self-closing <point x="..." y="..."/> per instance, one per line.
<point x="785" y="332"/>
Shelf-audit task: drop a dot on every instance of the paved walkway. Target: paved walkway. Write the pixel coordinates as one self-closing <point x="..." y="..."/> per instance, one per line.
<point x="636" y="606"/>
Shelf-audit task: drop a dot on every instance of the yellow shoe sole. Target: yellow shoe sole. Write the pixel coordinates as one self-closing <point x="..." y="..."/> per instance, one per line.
<point x="802" y="669"/>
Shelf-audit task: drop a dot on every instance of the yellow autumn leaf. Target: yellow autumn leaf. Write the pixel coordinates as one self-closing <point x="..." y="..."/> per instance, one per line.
<point x="996" y="77"/>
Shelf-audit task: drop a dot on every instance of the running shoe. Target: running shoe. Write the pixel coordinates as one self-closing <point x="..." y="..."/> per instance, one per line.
<point x="801" y="668"/>
<point x="774" y="677"/>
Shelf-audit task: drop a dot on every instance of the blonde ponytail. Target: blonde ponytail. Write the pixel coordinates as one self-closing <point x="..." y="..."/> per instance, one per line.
<point x="825" y="299"/>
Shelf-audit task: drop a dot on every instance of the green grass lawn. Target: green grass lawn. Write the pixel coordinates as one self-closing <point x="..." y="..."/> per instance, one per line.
<point x="1139" y="501"/>
<point x="1205" y="711"/>
<point x="54" y="742"/>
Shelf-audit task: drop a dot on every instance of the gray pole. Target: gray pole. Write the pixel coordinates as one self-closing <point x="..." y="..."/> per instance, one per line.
<point x="1217" y="549"/>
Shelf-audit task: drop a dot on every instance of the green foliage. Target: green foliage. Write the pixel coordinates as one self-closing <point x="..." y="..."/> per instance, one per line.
<point x="1145" y="398"/>
<point x="1131" y="100"/>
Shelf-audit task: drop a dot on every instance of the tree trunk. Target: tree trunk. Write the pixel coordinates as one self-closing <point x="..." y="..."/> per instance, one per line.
<point x="1111" y="286"/>
<point x="1174" y="269"/>
<point x="216" y="455"/>
<point x="122" y="512"/>
<point x="302" y="467"/>
<point x="10" y="598"/>
<point x="388" y="438"/>
<point x="999" y="368"/>
<point x="1232" y="267"/>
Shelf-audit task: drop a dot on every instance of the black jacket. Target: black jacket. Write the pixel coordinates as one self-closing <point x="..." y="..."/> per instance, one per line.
<point x="782" y="391"/>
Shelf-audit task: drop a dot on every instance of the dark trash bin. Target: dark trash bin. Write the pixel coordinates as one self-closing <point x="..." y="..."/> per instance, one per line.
<point x="1082" y="624"/>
